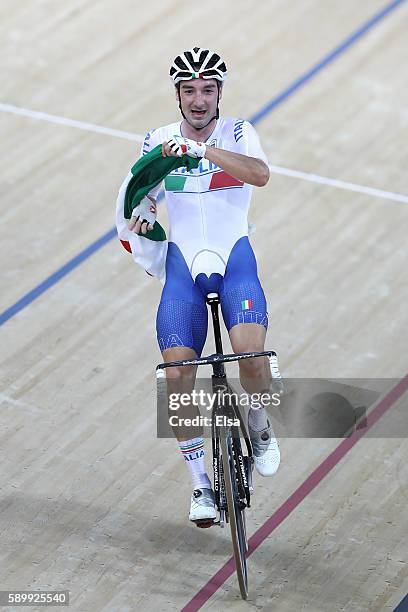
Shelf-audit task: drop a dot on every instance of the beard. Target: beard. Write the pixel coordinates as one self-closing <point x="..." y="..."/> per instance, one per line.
<point x="199" y="121"/>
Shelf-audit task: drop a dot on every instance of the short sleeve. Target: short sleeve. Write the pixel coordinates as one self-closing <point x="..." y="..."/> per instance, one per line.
<point x="248" y="141"/>
<point x="150" y="141"/>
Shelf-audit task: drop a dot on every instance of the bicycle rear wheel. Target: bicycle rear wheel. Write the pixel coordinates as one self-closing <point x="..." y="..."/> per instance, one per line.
<point x="235" y="513"/>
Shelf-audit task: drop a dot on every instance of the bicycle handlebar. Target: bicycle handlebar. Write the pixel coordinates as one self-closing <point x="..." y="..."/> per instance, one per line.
<point x="215" y="358"/>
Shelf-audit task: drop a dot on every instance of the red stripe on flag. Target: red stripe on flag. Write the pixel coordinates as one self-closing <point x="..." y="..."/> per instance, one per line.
<point x="126" y="245"/>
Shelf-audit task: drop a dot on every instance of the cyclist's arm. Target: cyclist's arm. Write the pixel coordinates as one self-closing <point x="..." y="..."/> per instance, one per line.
<point x="242" y="167"/>
<point x="248" y="161"/>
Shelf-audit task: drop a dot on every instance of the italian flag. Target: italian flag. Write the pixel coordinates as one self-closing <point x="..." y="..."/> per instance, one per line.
<point x="150" y="254"/>
<point x="247" y="304"/>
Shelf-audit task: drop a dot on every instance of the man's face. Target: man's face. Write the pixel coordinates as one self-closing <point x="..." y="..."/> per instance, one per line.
<point x="199" y="100"/>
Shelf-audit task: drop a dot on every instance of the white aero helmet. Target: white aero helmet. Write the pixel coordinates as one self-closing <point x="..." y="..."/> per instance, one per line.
<point x="198" y="63"/>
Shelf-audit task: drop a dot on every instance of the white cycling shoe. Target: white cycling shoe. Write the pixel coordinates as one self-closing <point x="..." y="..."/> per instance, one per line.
<point x="266" y="451"/>
<point x="202" y="508"/>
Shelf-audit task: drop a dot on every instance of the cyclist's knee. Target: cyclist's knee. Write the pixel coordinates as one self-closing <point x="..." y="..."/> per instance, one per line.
<point x="252" y="368"/>
<point x="180" y="373"/>
<point x="247" y="337"/>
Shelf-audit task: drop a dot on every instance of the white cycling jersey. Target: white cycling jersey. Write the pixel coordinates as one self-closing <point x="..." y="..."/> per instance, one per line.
<point x="207" y="208"/>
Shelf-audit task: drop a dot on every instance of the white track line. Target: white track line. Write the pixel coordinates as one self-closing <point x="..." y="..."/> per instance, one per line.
<point x="306" y="176"/>
<point x="323" y="180"/>
<point x="81" y="125"/>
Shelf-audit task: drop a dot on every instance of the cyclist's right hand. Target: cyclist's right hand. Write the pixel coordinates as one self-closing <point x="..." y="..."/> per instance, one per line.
<point x="143" y="216"/>
<point x="177" y="146"/>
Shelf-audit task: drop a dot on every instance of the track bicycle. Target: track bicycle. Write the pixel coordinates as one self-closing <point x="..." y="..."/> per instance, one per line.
<point x="232" y="467"/>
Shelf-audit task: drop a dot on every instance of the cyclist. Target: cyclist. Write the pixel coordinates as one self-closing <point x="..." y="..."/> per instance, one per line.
<point x="208" y="251"/>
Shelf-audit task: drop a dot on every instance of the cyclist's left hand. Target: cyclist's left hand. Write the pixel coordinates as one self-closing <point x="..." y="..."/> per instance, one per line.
<point x="143" y="216"/>
<point x="178" y="145"/>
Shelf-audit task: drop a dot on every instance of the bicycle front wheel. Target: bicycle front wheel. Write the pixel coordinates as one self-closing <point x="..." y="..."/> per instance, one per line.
<point x="235" y="512"/>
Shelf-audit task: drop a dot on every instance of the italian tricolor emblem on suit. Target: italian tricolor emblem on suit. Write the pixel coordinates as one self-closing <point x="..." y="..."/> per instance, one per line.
<point x="247" y="304"/>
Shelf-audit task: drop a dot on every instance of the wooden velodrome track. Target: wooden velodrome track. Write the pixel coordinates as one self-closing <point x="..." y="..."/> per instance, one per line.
<point x="90" y="500"/>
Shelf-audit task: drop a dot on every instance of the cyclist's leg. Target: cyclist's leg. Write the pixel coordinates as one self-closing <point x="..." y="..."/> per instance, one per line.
<point x="181" y="326"/>
<point x="181" y="332"/>
<point x="244" y="310"/>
